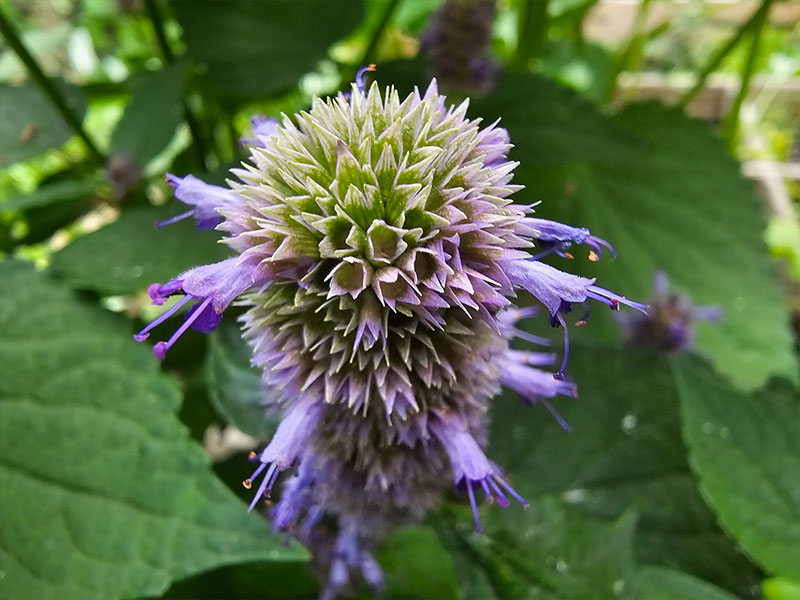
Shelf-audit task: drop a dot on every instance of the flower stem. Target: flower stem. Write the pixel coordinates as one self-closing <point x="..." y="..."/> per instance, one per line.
<point x="531" y="31"/>
<point x="47" y="86"/>
<point x="723" y="51"/>
<point x="731" y="125"/>
<point x="632" y="53"/>
<point x="169" y="57"/>
<point x="386" y="18"/>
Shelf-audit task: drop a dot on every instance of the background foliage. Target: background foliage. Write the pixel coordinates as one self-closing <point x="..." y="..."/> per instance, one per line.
<point x="681" y="477"/>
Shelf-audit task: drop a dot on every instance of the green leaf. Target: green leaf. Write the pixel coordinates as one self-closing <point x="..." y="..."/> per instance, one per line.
<point x="53" y="193"/>
<point x="276" y="42"/>
<point x="416" y="566"/>
<point x="745" y="450"/>
<point x="659" y="583"/>
<point x="130" y="253"/>
<point x="152" y="116"/>
<point x="549" y="551"/>
<point x="664" y="191"/>
<point x="109" y="496"/>
<point x="234" y="386"/>
<point x="29" y="124"/>
<point x="624" y="452"/>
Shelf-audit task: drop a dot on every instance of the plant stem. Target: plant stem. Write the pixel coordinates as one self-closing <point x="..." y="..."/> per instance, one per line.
<point x="531" y="31"/>
<point x="47" y="86"/>
<point x="386" y="18"/>
<point x="191" y="120"/>
<point x="633" y="50"/>
<point x="722" y="52"/>
<point x="731" y="125"/>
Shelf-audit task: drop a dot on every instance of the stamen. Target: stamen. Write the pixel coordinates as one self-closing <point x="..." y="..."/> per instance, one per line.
<point x="175" y="219"/>
<point x="559" y="419"/>
<point x="361" y="77"/>
<point x="513" y="492"/>
<point x="501" y="498"/>
<point x="529" y="337"/>
<point x="487" y="491"/>
<point x="474" y="506"/>
<point x="563" y="368"/>
<point x="160" y="349"/>
<point x="144" y="333"/>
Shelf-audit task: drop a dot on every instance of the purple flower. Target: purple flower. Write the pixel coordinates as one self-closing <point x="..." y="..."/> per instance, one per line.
<point x="557" y="237"/>
<point x="263" y="127"/>
<point x="669" y="325"/>
<point x="457" y="43"/>
<point x="205" y="198"/>
<point x="212" y="287"/>
<point x="470" y="465"/>
<point x="379" y="252"/>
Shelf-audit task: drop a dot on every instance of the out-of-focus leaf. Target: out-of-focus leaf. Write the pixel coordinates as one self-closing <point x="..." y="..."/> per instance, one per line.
<point x="235" y="386"/>
<point x="253" y="49"/>
<point x="151" y="117"/>
<point x="417" y="567"/>
<point x="549" y="551"/>
<point x="53" y="193"/>
<point x="104" y="495"/>
<point x="664" y="191"/>
<point x="29" y="124"/>
<point x="625" y="451"/>
<point x="659" y="583"/>
<point x="130" y="253"/>
<point x="781" y="588"/>
<point x="745" y="450"/>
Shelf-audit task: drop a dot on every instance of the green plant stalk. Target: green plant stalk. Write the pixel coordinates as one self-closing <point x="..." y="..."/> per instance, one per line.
<point x="375" y="39"/>
<point x="731" y="124"/>
<point x="47" y="86"/>
<point x="632" y="54"/>
<point x="721" y="53"/>
<point x="531" y="31"/>
<point x="199" y="145"/>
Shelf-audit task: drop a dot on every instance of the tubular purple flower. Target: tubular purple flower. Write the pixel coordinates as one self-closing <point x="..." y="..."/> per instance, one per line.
<point x="213" y="287"/>
<point x="205" y="198"/>
<point x="470" y="465"/>
<point x="286" y="446"/>
<point x="263" y="127"/>
<point x="557" y="237"/>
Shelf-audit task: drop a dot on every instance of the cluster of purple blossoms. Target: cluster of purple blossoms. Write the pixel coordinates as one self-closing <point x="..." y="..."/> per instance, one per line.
<point x="378" y="252"/>
<point x="669" y="325"/>
<point x="457" y="43"/>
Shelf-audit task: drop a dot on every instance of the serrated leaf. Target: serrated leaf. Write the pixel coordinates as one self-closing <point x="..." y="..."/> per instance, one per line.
<point x="548" y="552"/>
<point x="624" y="452"/>
<point x="745" y="449"/>
<point x="151" y="117"/>
<point x="276" y="41"/>
<point x="659" y="583"/>
<point x="130" y="253"/>
<point x="29" y="124"/>
<point x="663" y="190"/>
<point x="234" y="386"/>
<point x="104" y="495"/>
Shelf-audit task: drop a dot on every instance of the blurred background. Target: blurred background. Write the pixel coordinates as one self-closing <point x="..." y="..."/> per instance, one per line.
<point x="670" y="128"/>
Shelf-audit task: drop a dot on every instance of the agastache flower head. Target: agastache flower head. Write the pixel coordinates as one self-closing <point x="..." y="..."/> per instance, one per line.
<point x="379" y="252"/>
<point x="669" y="325"/>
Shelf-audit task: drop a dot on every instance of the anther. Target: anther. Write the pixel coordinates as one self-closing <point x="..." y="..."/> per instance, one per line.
<point x="247" y="483"/>
<point x="593" y="256"/>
